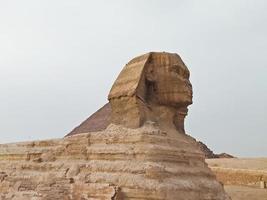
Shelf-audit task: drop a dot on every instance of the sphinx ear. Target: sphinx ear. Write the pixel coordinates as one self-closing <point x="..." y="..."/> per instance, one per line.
<point x="150" y="74"/>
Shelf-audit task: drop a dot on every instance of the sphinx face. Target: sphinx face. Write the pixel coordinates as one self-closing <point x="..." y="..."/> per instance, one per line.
<point x="147" y="81"/>
<point x="170" y="78"/>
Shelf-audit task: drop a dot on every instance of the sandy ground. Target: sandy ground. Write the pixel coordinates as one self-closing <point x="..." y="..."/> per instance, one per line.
<point x="239" y="163"/>
<point x="242" y="192"/>
<point x="245" y="193"/>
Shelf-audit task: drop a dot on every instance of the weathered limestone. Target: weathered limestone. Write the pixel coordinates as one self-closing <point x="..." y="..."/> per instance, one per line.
<point x="240" y="171"/>
<point x="152" y="87"/>
<point x="262" y="184"/>
<point x="142" y="163"/>
<point x="143" y="152"/>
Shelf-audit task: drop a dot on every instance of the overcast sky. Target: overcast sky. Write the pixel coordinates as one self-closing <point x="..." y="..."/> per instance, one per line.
<point x="59" y="58"/>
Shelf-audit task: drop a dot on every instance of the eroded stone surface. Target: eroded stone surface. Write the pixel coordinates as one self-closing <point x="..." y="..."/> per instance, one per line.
<point x="152" y="87"/>
<point x="118" y="163"/>
<point x="143" y="153"/>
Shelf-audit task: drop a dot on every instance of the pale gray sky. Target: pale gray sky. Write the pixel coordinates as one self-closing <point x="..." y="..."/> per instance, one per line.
<point x="59" y="58"/>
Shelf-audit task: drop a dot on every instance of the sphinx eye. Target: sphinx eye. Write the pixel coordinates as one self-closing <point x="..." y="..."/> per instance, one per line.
<point x="175" y="68"/>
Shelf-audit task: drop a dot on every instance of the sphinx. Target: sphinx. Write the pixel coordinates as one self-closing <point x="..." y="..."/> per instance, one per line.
<point x="135" y="147"/>
<point x="151" y="87"/>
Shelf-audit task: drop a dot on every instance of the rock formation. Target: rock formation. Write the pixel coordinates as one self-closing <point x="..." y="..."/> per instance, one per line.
<point x="209" y="153"/>
<point x="139" y="151"/>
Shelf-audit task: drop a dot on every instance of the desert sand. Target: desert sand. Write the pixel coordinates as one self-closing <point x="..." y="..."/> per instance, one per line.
<point x="241" y="176"/>
<point x="245" y="193"/>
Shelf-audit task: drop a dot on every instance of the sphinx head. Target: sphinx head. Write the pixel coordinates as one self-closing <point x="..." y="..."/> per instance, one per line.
<point x="149" y="81"/>
<point x="167" y="80"/>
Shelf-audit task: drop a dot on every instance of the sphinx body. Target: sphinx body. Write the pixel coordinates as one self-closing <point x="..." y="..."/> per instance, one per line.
<point x="136" y="149"/>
